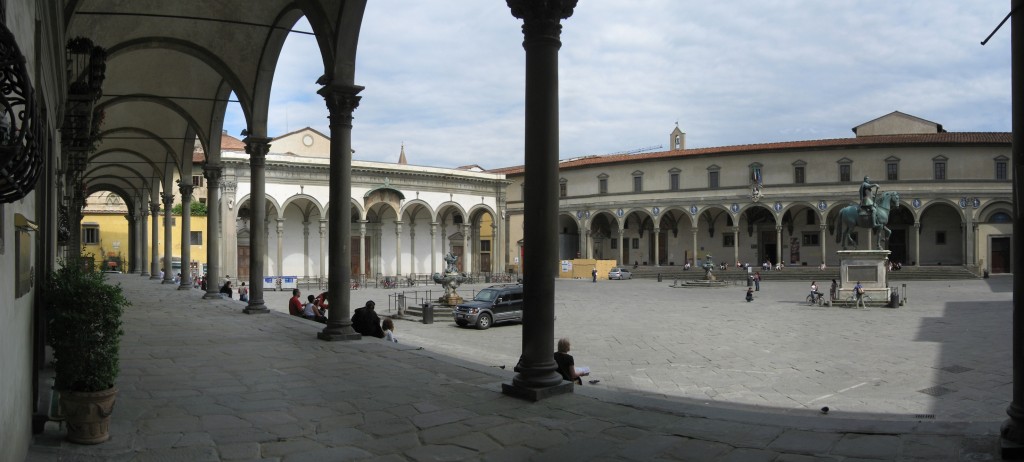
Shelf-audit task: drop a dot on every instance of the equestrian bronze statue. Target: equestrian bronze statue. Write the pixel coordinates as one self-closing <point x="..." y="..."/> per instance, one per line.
<point x="872" y="213"/>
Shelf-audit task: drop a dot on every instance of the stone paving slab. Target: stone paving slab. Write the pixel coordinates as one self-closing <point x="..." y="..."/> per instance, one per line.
<point x="292" y="397"/>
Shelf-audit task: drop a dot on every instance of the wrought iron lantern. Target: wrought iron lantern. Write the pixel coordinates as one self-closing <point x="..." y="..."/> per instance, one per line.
<point x="20" y="162"/>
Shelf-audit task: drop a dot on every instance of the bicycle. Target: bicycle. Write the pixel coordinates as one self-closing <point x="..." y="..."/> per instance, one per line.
<point x="852" y="300"/>
<point x="389" y="283"/>
<point x="816" y="298"/>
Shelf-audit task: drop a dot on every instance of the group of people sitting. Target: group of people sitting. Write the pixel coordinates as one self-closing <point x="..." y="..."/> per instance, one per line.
<point x="365" y="320"/>
<point x="315" y="308"/>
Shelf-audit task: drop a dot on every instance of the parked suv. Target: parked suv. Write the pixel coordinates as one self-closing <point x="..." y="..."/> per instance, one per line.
<point x="497" y="303"/>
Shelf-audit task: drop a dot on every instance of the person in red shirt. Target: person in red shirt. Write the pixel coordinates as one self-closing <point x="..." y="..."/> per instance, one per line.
<point x="295" y="304"/>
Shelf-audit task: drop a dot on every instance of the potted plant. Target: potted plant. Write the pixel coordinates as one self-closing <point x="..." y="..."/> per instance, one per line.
<point x="85" y="333"/>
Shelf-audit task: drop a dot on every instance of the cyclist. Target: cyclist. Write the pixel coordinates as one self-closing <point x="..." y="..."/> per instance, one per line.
<point x="815" y="295"/>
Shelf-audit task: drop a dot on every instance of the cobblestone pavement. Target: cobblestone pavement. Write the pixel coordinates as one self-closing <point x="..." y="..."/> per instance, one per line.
<point x="201" y="381"/>
<point x="945" y="355"/>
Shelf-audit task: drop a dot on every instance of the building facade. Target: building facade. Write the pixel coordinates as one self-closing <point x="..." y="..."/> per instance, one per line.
<point x="779" y="202"/>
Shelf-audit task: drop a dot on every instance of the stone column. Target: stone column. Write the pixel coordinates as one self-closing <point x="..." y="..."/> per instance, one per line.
<point x="536" y="376"/>
<point x="821" y="229"/>
<point x="257" y="149"/>
<point x="362" y="250"/>
<point x="398" y="248"/>
<point x="280" y="247"/>
<point x="466" y="268"/>
<point x="695" y="248"/>
<point x="305" y="250"/>
<point x="433" y="247"/>
<point x="323" y="248"/>
<point x="778" y="244"/>
<point x="1013" y="428"/>
<point x="144" y="241"/>
<point x="622" y="245"/>
<point x="735" y="243"/>
<point x="412" y="247"/>
<point x="656" y="234"/>
<point x="186" y="236"/>
<point x="917" y="243"/>
<point x="154" y="209"/>
<point x="133" y="231"/>
<point x="341" y="101"/>
<point x="168" y="237"/>
<point x="212" y="174"/>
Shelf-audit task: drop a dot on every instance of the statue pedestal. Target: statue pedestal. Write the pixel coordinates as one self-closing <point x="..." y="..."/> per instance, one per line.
<point x="866" y="267"/>
<point x="451" y="299"/>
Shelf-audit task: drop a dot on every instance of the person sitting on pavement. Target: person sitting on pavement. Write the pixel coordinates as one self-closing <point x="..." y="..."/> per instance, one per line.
<point x="366" y="322"/>
<point x="310" y="312"/>
<point x="389" y="330"/>
<point x="295" y="307"/>
<point x="322" y="303"/>
<point x="750" y="294"/>
<point x="226" y="289"/>
<point x="567" y="366"/>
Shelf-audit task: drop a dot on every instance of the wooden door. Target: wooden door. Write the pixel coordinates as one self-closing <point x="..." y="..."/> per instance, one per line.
<point x="354" y="258"/>
<point x="243" y="262"/>
<point x="1001" y="255"/>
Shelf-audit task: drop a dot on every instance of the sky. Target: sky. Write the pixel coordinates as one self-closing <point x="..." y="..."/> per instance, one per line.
<point x="446" y="77"/>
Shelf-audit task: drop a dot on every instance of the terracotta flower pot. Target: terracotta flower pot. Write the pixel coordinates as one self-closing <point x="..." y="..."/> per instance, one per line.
<point x="87" y="415"/>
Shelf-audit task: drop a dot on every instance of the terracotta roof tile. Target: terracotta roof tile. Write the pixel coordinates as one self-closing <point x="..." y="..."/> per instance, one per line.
<point x="929" y="139"/>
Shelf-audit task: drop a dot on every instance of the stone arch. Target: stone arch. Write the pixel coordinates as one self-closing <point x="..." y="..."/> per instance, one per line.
<point x="165" y="103"/>
<point x="314" y="204"/>
<point x="941" y="233"/>
<point x="152" y="137"/>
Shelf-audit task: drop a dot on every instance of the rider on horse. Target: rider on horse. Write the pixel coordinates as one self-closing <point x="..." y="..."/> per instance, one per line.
<point x="867" y="200"/>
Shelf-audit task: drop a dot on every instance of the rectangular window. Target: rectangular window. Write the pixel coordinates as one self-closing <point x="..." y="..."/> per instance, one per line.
<point x="940" y="170"/>
<point x="844" y="172"/>
<point x="636" y="243"/>
<point x="1001" y="170"/>
<point x="810" y="239"/>
<point x="202" y="200"/>
<point x="892" y="171"/>
<point x="197" y="180"/>
<point x="196" y="238"/>
<point x="602" y="185"/>
<point x="673" y="181"/>
<point x="798" y="175"/>
<point x="90" y="234"/>
<point x="940" y="238"/>
<point x="810" y="217"/>
<point x="713" y="180"/>
<point x="638" y="184"/>
<point x="728" y="240"/>
<point x="615" y="244"/>
<point x="485" y="245"/>
<point x="562" y="190"/>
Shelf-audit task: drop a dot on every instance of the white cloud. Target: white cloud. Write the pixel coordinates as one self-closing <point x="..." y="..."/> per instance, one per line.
<point x="447" y="77"/>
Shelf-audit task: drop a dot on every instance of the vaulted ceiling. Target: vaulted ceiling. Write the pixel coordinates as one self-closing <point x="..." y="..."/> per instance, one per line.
<point x="171" y="68"/>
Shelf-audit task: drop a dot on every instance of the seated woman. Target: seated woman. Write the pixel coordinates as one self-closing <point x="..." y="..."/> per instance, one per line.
<point x="309" y="311"/>
<point x="566" y="365"/>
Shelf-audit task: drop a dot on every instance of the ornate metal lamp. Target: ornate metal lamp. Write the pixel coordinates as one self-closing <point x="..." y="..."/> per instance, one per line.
<point x="20" y="161"/>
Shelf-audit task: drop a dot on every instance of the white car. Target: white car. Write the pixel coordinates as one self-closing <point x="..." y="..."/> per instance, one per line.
<point x="620" y="273"/>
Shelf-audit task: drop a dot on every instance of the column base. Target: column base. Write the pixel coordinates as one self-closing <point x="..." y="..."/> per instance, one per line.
<point x="336" y="335"/>
<point x="185" y="287"/>
<point x="213" y="296"/>
<point x="167" y="281"/>
<point x="134" y="272"/>
<point x="155" y="277"/>
<point x="145" y="273"/>
<point x="536" y="394"/>
<point x="255" y="309"/>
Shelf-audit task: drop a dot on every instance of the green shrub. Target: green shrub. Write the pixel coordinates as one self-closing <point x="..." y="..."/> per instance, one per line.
<point x="84" y="327"/>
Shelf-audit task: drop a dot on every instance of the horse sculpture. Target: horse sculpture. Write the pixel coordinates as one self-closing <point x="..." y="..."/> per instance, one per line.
<point x="850" y="217"/>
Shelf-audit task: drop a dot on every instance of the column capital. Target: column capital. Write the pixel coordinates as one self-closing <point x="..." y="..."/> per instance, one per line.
<point x="168" y="201"/>
<point x="341" y="101"/>
<point x="541" y="19"/>
<point x="155" y="208"/>
<point x="778" y="228"/>
<point x="230" y="186"/>
<point x="257" y="148"/>
<point x="186" y="191"/>
<point x="212" y="172"/>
